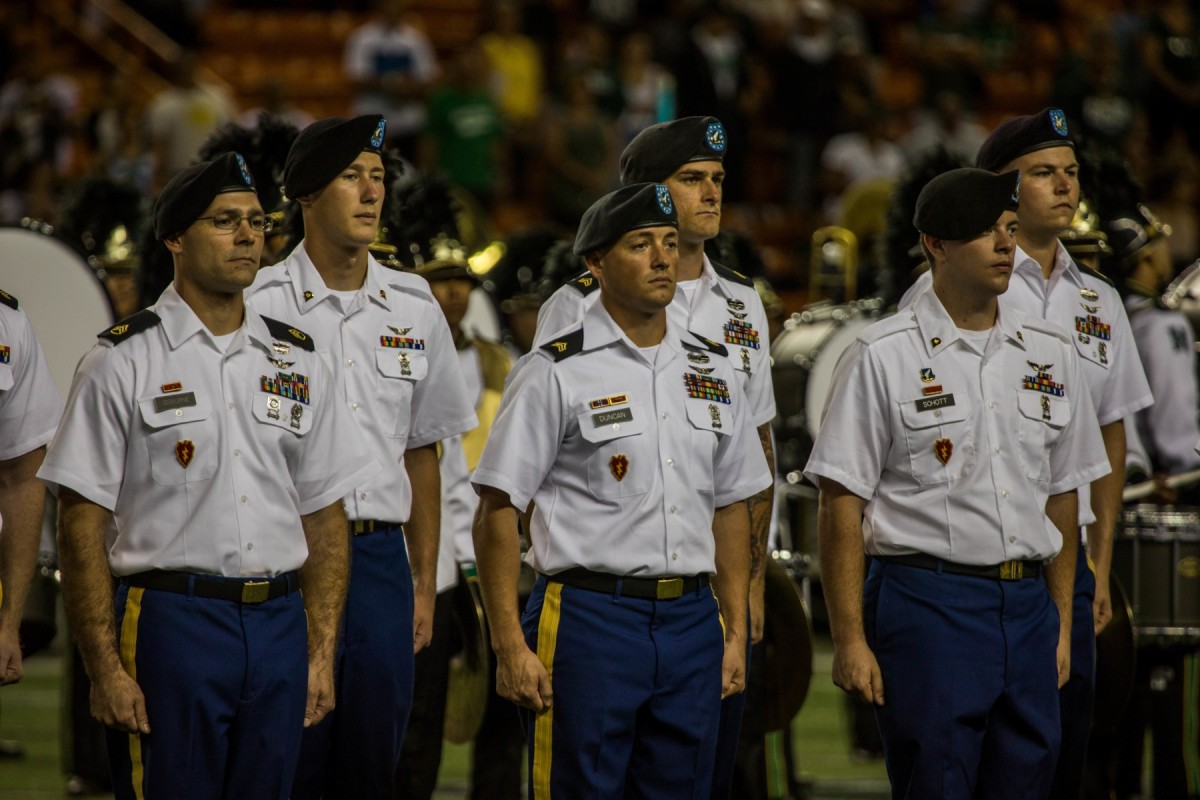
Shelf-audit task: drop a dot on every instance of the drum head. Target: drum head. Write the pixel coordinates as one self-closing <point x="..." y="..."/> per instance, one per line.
<point x="63" y="298"/>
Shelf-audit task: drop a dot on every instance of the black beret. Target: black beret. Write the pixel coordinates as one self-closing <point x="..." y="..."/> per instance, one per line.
<point x="656" y="152"/>
<point x="1020" y="135"/>
<point x="188" y="193"/>
<point x="640" y="205"/>
<point x="962" y="203"/>
<point x="1131" y="230"/>
<point x="327" y="147"/>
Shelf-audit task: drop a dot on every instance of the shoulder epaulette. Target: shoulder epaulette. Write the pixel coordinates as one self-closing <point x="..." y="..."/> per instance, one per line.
<point x="706" y="344"/>
<point x="1095" y="274"/>
<point x="143" y="320"/>
<point x="586" y="283"/>
<point x="281" y="330"/>
<point x="732" y="275"/>
<point x="903" y="320"/>
<point x="566" y="345"/>
<point x="8" y="300"/>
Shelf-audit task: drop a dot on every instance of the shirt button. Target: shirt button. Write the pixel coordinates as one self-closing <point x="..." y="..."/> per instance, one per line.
<point x="349" y="362"/>
<point x="674" y="556"/>
<point x="362" y="495"/>
<point x="997" y="448"/>
<point x="354" y="406"/>
<point x="670" y="462"/>
<point x="1004" y="494"/>
<point x="992" y="404"/>
<point x="179" y="412"/>
<point x="243" y="498"/>
<point x="664" y="415"/>
<point x="616" y="426"/>
<point x="250" y="546"/>
<point x="672" y="509"/>
<point x="237" y="453"/>
<point x="1012" y="539"/>
<point x="937" y="413"/>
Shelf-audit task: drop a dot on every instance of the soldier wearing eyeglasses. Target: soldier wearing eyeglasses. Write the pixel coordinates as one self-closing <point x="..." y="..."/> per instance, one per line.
<point x="201" y="461"/>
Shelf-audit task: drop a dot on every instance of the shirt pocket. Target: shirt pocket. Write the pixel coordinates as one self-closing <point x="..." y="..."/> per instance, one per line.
<point x="6" y="377"/>
<point x="401" y="369"/>
<point x="620" y="463"/>
<point x="1094" y="349"/>
<point x="1040" y="422"/>
<point x="939" y="440"/>
<point x="709" y="422"/>
<point x="181" y="442"/>
<point x="281" y="412"/>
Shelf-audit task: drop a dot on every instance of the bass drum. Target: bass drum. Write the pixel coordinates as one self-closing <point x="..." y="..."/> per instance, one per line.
<point x="67" y="306"/>
<point x="803" y="359"/>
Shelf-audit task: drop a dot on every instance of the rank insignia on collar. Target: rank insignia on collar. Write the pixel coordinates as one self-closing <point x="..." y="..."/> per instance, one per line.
<point x="382" y="294"/>
<point x="297" y="411"/>
<point x="1090" y="309"/>
<point x="715" y="414"/>
<point x="1020" y="337"/>
<point x="927" y="375"/>
<point x="735" y="304"/>
<point x="173" y="386"/>
<point x="308" y="295"/>
<point x="943" y="449"/>
<point x="281" y="363"/>
<point x="5" y="354"/>
<point x="698" y="358"/>
<point x="619" y="465"/>
<point x="400" y="331"/>
<point x="611" y="400"/>
<point x="935" y="342"/>
<point x="1089" y="294"/>
<point x="184" y="451"/>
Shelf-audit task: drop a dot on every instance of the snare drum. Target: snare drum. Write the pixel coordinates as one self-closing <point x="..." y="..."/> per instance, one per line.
<point x="803" y="358"/>
<point x="1156" y="556"/>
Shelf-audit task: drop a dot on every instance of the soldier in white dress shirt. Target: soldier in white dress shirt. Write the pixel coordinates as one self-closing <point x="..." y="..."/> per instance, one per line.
<point x="201" y="460"/>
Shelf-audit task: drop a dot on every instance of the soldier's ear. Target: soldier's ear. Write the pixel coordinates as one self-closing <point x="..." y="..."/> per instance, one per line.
<point x="592" y="261"/>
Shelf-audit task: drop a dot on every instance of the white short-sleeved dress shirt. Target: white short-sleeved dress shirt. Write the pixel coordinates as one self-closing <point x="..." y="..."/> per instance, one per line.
<point x="207" y="458"/>
<point x="956" y="451"/>
<point x="30" y="405"/>
<point x="725" y="308"/>
<point x="393" y="361"/>
<point x="1168" y="430"/>
<point x="626" y="456"/>
<point x="1091" y="310"/>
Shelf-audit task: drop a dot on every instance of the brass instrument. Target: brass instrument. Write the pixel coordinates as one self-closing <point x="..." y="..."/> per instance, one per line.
<point x="833" y="266"/>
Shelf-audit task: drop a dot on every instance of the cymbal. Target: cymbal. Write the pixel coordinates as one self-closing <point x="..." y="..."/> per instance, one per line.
<point x="1116" y="661"/>
<point x="788" y="649"/>
<point x="467" y="688"/>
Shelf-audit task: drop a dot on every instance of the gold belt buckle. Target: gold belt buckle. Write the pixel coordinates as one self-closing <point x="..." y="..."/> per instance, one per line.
<point x="669" y="588"/>
<point x="1012" y="570"/>
<point x="256" y="591"/>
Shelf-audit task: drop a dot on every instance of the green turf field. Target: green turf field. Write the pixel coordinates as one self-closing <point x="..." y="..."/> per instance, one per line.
<point x="30" y="714"/>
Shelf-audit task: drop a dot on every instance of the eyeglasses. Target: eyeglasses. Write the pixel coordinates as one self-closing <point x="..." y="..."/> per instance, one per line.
<point x="259" y="223"/>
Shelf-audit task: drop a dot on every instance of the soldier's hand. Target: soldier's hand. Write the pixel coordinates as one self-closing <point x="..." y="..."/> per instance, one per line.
<point x="856" y="671"/>
<point x="758" y="588"/>
<point x="733" y="668"/>
<point x="423" y="618"/>
<point x="12" y="669"/>
<point x="521" y="678"/>
<point x="1063" y="655"/>
<point x="1102" y="607"/>
<point x="118" y="702"/>
<point x="320" y="700"/>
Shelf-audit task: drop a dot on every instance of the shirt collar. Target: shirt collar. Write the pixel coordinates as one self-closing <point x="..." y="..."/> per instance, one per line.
<point x="1064" y="265"/>
<point x="938" y="330"/>
<point x="180" y="322"/>
<point x="601" y="330"/>
<point x="310" y="288"/>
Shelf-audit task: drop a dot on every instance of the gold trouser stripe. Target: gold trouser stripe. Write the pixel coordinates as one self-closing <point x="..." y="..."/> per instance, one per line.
<point x="129" y="628"/>
<point x="543" y="730"/>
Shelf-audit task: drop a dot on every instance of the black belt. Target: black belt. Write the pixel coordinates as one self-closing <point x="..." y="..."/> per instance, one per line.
<point x="360" y="527"/>
<point x="665" y="588"/>
<point x="238" y="590"/>
<point x="1004" y="571"/>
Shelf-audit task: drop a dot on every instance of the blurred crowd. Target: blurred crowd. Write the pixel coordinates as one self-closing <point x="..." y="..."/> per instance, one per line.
<point x="826" y="102"/>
